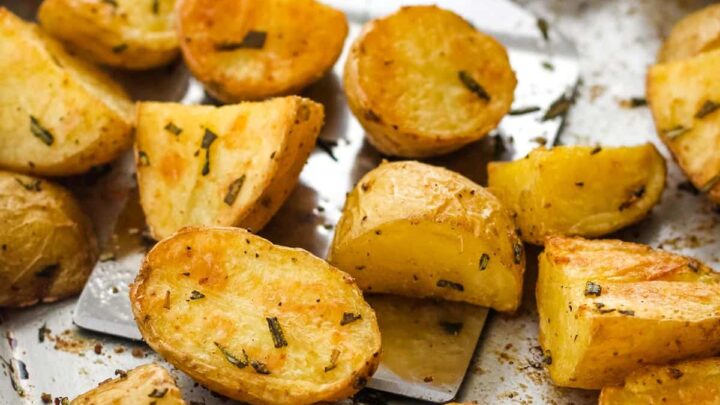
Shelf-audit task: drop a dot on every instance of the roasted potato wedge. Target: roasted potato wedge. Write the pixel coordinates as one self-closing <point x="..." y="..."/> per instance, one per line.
<point x="421" y="231"/>
<point x="143" y="385"/>
<point x="684" y="97"/>
<point x="692" y="382"/>
<point x="58" y="115"/>
<point x="251" y="50"/>
<point x="255" y="322"/>
<point x="607" y="307"/>
<point x="232" y="165"/>
<point x="696" y="33"/>
<point x="424" y="82"/>
<point x="127" y="34"/>
<point x="579" y="190"/>
<point x="48" y="244"/>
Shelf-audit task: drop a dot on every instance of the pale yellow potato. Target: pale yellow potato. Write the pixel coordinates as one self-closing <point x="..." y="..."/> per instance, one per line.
<point x="684" y="98"/>
<point x="698" y="32"/>
<point x="149" y="384"/>
<point x="254" y="155"/>
<point x="251" y="50"/>
<point x="695" y="382"/>
<point x="579" y="190"/>
<point x="607" y="307"/>
<point x="422" y="231"/>
<point x="256" y="322"/>
<point x="47" y="244"/>
<point x="58" y="115"/>
<point x="128" y="34"/>
<point x="424" y="82"/>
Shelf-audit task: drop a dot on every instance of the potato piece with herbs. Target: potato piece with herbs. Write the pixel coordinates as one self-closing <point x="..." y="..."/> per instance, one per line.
<point x="684" y="98"/>
<point x="698" y="32"/>
<point x="129" y="34"/>
<point x="48" y="244"/>
<point x="232" y="165"/>
<point x="579" y="190"/>
<point x="424" y="82"/>
<point x="691" y="382"/>
<point x="148" y="384"/>
<point x="607" y="307"/>
<point x="421" y="231"/>
<point x="256" y="322"/>
<point x="59" y="115"/>
<point x="251" y="50"/>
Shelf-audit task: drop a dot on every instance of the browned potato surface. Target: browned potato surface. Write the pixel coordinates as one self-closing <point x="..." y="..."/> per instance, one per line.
<point x="149" y="384"/>
<point x="698" y="32"/>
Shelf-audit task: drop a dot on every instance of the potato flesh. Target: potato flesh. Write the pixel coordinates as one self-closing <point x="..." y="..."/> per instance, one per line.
<point x="692" y="382"/>
<point x="698" y="32"/>
<point x="149" y="383"/>
<point x="578" y="190"/>
<point x="598" y="340"/>
<point x="244" y="280"/>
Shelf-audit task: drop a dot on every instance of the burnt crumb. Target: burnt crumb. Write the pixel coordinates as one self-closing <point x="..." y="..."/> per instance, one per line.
<point x="121" y="373"/>
<point x="138" y="353"/>
<point x="371" y="115"/>
<point x="428" y="379"/>
<point x="46" y="398"/>
<point x="674" y="373"/>
<point x="98" y="348"/>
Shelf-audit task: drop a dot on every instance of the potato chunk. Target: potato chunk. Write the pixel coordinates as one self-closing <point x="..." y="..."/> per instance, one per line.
<point x="424" y="82"/>
<point x="256" y="322"/>
<point x="48" y="244"/>
<point x="607" y="307"/>
<point x="698" y="32"/>
<point x="422" y="231"/>
<point x="251" y="50"/>
<point x="692" y="382"/>
<point x="232" y="165"/>
<point x="147" y="384"/>
<point x="579" y="190"/>
<point x="58" y="115"/>
<point x="128" y="34"/>
<point x="684" y="97"/>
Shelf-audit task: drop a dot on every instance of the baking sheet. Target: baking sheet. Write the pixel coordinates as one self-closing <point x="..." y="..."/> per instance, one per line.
<point x="616" y="39"/>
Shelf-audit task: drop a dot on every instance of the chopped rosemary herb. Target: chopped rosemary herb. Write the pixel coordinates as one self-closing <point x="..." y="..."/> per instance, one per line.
<point x="676" y="131"/>
<point x="558" y="108"/>
<point x="33" y="185"/>
<point x="694" y="266"/>
<point x="371" y="115"/>
<point x="252" y="40"/>
<point x="606" y="311"/>
<point x="239" y="363"/>
<point x="143" y="159"/>
<point x="523" y="111"/>
<point x="637" y="194"/>
<point x="333" y="360"/>
<point x="110" y="2"/>
<point x="173" y="129"/>
<point x="596" y="150"/>
<point x="548" y="66"/>
<point x="349" y="317"/>
<point x="484" y="260"/>
<point x="674" y="373"/>
<point x="473" y="85"/>
<point x="120" y="48"/>
<point x="517" y="252"/>
<point x="48" y="271"/>
<point x="234" y="190"/>
<point x="592" y="289"/>
<point x="41" y="132"/>
<point x="260" y="367"/>
<point x="711" y="184"/>
<point x="450" y="284"/>
<point x="708" y="108"/>
<point x="543" y="26"/>
<point x="276" y="332"/>
<point x="327" y="148"/>
<point x="196" y="295"/>
<point x="628" y="312"/>
<point x="208" y="138"/>
<point x="634" y="102"/>
<point x="155" y="6"/>
<point x="452" y="328"/>
<point x="156" y="393"/>
<point x="42" y="332"/>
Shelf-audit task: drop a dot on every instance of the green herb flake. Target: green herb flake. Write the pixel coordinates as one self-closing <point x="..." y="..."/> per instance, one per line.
<point x="33" y="185"/>
<point x="208" y="138"/>
<point x="596" y="150"/>
<point x="239" y="363"/>
<point x="156" y="6"/>
<point x="276" y="332"/>
<point x="260" y="367"/>
<point x="523" y="111"/>
<point x="607" y="310"/>
<point x="708" y="108"/>
<point x="544" y="28"/>
<point x="173" y="129"/>
<point x="120" y="48"/>
<point x="349" y="317"/>
<point x="558" y="108"/>
<point x="484" y="260"/>
<point x="110" y="2"/>
<point x="710" y="184"/>
<point x="333" y="360"/>
<point x="676" y="131"/>
<point x="450" y="284"/>
<point x="628" y="312"/>
<point x="196" y="295"/>
<point x="452" y="328"/>
<point x="41" y="132"/>
<point x="472" y="85"/>
<point x="252" y="40"/>
<point x="156" y="393"/>
<point x="143" y="158"/>
<point x="48" y="271"/>
<point x="633" y="102"/>
<point x="517" y="252"/>
<point x="42" y="332"/>
<point x="592" y="289"/>
<point x="233" y="190"/>
<point x="548" y="66"/>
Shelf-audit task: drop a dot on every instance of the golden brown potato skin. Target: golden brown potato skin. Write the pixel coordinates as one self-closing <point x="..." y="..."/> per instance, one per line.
<point x="695" y="382"/>
<point x="579" y="190"/>
<point x="422" y="231"/>
<point x="642" y="307"/>
<point x="303" y="39"/>
<point x="407" y="81"/>
<point x="204" y="299"/>
<point x="127" y="34"/>
<point x="696" y="33"/>
<point x="48" y="244"/>
<point x="683" y="96"/>
<point x="259" y="151"/>
<point x="58" y="114"/>
<point x="146" y="384"/>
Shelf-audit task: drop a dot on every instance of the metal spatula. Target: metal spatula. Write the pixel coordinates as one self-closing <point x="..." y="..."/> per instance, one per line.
<point x="427" y="346"/>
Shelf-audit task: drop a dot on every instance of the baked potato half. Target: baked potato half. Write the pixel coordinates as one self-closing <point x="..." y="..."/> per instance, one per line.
<point x="691" y="382"/>
<point x="424" y="82"/>
<point x="422" y="231"/>
<point x="58" y="115"/>
<point x="149" y="384"/>
<point x="256" y="322"/>
<point x="684" y="98"/>
<point x="579" y="190"/>
<point x="607" y="307"/>
<point x="128" y="34"/>
<point x="698" y="32"/>
<point x="251" y="50"/>
<point x="232" y="165"/>
<point x="47" y="244"/>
